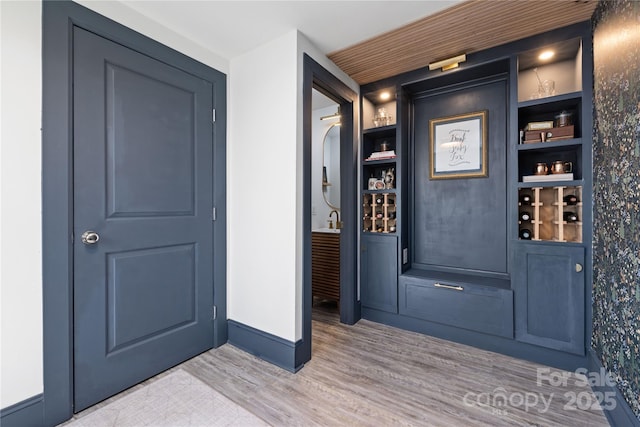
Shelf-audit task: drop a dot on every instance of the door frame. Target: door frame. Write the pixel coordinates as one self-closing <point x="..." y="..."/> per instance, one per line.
<point x="58" y="20"/>
<point x="315" y="76"/>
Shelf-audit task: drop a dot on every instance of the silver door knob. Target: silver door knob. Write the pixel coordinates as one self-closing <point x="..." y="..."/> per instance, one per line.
<point x="578" y="268"/>
<point x="90" y="237"/>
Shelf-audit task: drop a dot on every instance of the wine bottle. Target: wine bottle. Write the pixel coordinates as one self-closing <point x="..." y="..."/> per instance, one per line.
<point x="570" y="199"/>
<point x="525" y="198"/>
<point x="525" y="234"/>
<point x="570" y="216"/>
<point x="525" y="216"/>
<point x="379" y="200"/>
<point x="392" y="214"/>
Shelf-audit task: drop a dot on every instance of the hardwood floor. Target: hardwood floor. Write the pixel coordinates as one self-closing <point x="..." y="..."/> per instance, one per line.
<point x="372" y="374"/>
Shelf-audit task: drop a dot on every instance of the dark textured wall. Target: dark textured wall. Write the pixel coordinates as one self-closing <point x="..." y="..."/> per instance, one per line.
<point x="616" y="158"/>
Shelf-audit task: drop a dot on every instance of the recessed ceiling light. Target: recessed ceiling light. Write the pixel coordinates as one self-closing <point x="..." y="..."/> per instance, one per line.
<point x="385" y="96"/>
<point x="546" y="55"/>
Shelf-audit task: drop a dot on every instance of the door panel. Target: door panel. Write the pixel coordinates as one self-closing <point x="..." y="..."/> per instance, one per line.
<point x="173" y="294"/>
<point x="379" y="272"/>
<point x="143" y="181"/>
<point x="164" y="183"/>
<point x="550" y="296"/>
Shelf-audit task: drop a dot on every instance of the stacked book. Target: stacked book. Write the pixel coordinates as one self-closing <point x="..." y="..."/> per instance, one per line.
<point x="533" y="130"/>
<point x="538" y="125"/>
<point x="382" y="155"/>
<point x="551" y="177"/>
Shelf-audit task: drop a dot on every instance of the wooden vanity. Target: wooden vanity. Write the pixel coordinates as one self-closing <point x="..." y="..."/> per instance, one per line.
<point x="325" y="265"/>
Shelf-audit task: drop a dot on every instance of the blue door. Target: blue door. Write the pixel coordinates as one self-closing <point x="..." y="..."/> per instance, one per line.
<point x="143" y="230"/>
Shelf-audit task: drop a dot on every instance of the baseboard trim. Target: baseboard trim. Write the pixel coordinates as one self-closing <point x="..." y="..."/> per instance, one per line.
<point x="268" y="347"/>
<point x="621" y="413"/>
<point x="29" y="412"/>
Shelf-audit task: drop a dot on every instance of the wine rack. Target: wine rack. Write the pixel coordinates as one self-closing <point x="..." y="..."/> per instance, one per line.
<point x="379" y="212"/>
<point x="550" y="213"/>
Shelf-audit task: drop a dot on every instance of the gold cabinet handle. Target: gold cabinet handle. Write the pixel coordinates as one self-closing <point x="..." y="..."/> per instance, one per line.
<point x="455" y="288"/>
<point x="578" y="267"/>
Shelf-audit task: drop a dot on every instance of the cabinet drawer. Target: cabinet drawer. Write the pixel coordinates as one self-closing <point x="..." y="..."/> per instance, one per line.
<point x="478" y="308"/>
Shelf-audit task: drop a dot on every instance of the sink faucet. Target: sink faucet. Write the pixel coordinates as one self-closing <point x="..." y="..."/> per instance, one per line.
<point x="338" y="223"/>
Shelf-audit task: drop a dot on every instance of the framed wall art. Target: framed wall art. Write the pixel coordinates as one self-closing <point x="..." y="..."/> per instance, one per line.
<point x="458" y="146"/>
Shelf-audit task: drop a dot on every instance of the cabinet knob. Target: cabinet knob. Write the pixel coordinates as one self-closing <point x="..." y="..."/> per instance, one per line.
<point x="578" y="267"/>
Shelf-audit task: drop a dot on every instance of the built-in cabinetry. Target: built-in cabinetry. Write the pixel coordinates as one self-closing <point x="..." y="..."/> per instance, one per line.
<point x="379" y="272"/>
<point x="550" y="170"/>
<point x="549" y="286"/>
<point x="379" y="180"/>
<point x="551" y="156"/>
<point x="380" y="221"/>
<point x="553" y="195"/>
<point x="457" y="301"/>
<point x="529" y="289"/>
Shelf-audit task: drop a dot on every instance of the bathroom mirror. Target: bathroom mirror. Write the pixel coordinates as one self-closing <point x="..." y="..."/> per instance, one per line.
<point x="331" y="166"/>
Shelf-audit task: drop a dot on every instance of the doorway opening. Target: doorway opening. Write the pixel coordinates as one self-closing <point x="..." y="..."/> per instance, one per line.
<point x="343" y="200"/>
<point x="326" y="224"/>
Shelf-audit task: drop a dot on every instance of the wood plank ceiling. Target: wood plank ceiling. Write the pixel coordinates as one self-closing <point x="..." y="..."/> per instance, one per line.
<point x="467" y="27"/>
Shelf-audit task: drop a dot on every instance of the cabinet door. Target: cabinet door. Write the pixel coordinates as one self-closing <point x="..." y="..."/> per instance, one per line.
<point x="379" y="272"/>
<point x="550" y="296"/>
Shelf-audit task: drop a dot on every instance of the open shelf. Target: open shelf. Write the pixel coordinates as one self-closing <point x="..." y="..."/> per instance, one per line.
<point x="382" y="131"/>
<point x="542" y="79"/>
<point x="565" y="100"/>
<point x="550" y="145"/>
<point x="574" y="183"/>
<point x="379" y="112"/>
<point x="543" y="111"/>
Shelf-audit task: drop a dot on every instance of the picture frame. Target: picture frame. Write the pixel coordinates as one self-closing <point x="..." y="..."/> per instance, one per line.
<point x="458" y="146"/>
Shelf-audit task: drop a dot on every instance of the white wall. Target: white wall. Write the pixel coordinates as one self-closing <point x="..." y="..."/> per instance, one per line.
<point x="262" y="176"/>
<point x="20" y="207"/>
<point x="265" y="184"/>
<point x="139" y="22"/>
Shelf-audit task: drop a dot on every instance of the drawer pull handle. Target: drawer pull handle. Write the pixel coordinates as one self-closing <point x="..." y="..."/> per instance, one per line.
<point x="455" y="288"/>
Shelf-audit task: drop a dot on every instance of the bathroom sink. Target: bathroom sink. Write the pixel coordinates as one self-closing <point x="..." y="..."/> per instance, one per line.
<point x="326" y="230"/>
